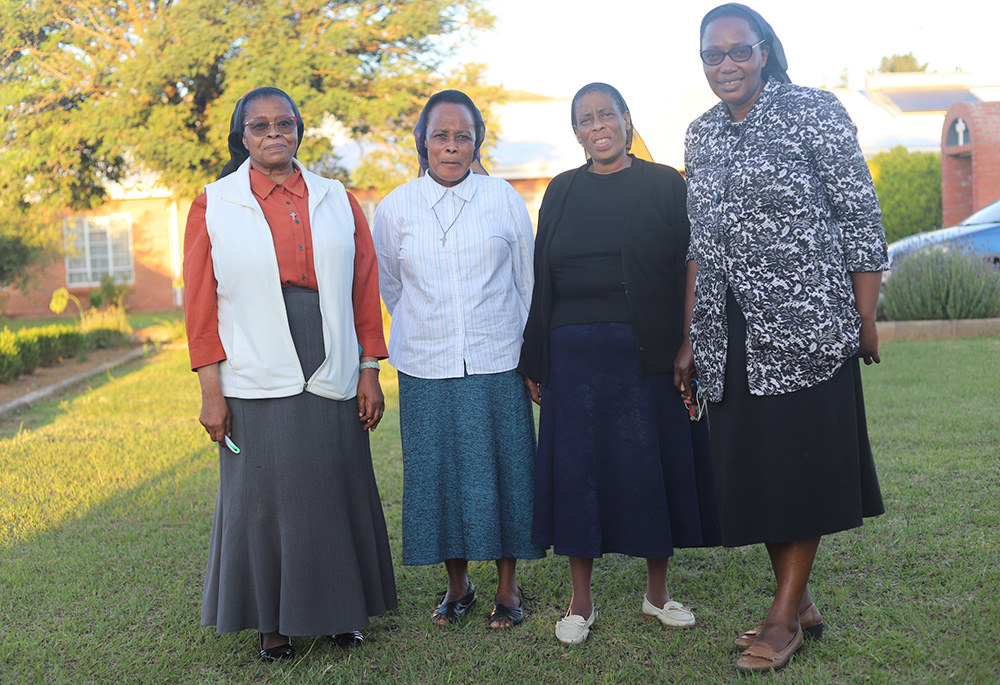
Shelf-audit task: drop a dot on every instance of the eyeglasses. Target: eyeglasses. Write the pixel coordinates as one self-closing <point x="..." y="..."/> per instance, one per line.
<point x="741" y="53"/>
<point x="261" y="127"/>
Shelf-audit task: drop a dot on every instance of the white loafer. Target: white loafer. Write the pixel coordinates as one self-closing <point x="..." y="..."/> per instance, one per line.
<point x="673" y="614"/>
<point x="573" y="629"/>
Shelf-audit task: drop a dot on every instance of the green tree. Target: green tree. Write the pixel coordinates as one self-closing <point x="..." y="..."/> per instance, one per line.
<point x="909" y="191"/>
<point x="905" y="62"/>
<point x="93" y="92"/>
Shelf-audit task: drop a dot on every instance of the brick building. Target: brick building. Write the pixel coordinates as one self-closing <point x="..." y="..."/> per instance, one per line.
<point x="970" y="159"/>
<point x="136" y="236"/>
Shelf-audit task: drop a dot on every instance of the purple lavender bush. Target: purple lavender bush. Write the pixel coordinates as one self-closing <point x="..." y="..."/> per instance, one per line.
<point x="941" y="282"/>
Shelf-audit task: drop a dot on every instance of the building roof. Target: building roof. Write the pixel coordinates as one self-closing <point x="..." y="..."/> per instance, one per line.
<point x="923" y="99"/>
<point x="536" y="138"/>
<point x="920" y="91"/>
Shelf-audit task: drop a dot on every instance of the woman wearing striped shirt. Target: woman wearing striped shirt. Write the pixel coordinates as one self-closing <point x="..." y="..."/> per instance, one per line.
<point x="455" y="270"/>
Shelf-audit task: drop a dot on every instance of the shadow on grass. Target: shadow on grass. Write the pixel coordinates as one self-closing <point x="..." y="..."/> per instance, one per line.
<point x="112" y="591"/>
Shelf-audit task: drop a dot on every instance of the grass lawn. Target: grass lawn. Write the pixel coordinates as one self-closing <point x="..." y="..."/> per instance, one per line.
<point x="106" y="501"/>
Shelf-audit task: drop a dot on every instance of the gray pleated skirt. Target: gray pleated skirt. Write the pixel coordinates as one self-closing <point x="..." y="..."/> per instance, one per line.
<point x="298" y="543"/>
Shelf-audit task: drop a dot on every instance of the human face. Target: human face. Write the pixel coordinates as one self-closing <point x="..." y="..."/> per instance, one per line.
<point x="602" y="130"/>
<point x="738" y="84"/>
<point x="451" y="143"/>
<point x="271" y="154"/>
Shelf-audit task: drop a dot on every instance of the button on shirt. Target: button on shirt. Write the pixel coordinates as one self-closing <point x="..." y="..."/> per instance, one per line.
<point x="455" y="272"/>
<point x="782" y="209"/>
<point x="287" y="206"/>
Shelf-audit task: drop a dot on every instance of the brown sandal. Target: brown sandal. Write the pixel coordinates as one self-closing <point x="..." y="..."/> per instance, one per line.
<point x="760" y="656"/>
<point x="809" y="618"/>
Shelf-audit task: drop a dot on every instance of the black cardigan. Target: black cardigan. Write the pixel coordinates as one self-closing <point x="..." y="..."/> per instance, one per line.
<point x="654" y="263"/>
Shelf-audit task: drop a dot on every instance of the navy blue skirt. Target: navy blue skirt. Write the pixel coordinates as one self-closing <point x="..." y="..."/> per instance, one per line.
<point x="620" y="466"/>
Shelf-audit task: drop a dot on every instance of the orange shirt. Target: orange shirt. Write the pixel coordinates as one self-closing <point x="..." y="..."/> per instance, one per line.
<point x="286" y="209"/>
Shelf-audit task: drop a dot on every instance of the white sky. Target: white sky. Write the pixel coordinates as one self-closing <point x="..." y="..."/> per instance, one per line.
<point x="552" y="47"/>
<point x="648" y="49"/>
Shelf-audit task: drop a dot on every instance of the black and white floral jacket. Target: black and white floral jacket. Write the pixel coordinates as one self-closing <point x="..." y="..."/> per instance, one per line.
<point x="782" y="209"/>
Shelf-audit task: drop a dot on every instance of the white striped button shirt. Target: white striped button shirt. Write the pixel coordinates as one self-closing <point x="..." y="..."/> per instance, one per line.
<point x="458" y="296"/>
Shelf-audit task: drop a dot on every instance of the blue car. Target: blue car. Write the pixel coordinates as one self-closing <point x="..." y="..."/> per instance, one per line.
<point x="979" y="232"/>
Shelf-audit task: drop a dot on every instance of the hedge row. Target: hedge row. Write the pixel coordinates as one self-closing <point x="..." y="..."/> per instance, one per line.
<point x="25" y="350"/>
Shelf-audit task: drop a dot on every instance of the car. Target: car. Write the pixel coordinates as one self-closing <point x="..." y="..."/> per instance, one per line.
<point x="980" y="232"/>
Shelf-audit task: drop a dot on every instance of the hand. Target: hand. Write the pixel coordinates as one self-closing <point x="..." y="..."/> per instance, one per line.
<point x="371" y="402"/>
<point x="869" y="342"/>
<point x="684" y="371"/>
<point x="534" y="389"/>
<point x="215" y="416"/>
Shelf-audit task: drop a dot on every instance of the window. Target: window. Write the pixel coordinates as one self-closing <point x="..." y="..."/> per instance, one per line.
<point x="98" y="245"/>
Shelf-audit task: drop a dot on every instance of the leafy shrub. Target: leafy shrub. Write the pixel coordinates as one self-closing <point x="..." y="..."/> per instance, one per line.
<point x="941" y="282"/>
<point x="105" y="328"/>
<point x="909" y="191"/>
<point x="110" y="292"/>
<point x="55" y="342"/>
<point x="29" y="352"/>
<point x="10" y="363"/>
<point x="23" y="351"/>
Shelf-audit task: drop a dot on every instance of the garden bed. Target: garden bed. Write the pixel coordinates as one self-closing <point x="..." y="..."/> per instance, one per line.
<point x="44" y="377"/>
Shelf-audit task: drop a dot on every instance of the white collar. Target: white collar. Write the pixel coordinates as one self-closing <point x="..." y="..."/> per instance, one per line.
<point x="434" y="191"/>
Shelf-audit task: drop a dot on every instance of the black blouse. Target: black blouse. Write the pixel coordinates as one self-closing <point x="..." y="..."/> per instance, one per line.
<point x="586" y="253"/>
<point x="654" y="240"/>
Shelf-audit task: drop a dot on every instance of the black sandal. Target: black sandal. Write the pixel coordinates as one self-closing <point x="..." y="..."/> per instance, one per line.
<point x="347" y="640"/>
<point x="514" y="614"/>
<point x="279" y="653"/>
<point x="446" y="612"/>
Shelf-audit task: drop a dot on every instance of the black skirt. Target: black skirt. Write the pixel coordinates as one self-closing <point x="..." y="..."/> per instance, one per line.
<point x="792" y="466"/>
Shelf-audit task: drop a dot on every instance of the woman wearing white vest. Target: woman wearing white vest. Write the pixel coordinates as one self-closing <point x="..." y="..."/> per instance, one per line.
<point x="454" y="250"/>
<point x="285" y="332"/>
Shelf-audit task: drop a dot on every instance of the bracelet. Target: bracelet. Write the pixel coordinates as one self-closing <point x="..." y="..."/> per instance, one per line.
<point x="371" y="365"/>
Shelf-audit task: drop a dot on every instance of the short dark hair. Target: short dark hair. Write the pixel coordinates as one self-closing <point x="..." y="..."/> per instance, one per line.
<point x="237" y="152"/>
<point x="612" y="93"/>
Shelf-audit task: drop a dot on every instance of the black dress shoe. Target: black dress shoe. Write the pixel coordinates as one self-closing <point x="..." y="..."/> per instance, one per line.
<point x="279" y="653"/>
<point x="347" y="640"/>
<point x="447" y="612"/>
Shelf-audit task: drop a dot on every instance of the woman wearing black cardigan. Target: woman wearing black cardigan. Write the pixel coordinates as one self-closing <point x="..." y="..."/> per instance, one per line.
<point x="620" y="467"/>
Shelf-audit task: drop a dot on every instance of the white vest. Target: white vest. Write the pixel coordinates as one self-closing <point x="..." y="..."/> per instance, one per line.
<point x="253" y="325"/>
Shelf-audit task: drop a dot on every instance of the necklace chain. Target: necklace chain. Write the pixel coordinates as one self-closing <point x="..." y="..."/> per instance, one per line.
<point x="444" y="231"/>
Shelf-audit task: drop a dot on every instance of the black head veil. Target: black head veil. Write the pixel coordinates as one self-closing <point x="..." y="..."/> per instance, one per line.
<point x="777" y="66"/>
